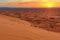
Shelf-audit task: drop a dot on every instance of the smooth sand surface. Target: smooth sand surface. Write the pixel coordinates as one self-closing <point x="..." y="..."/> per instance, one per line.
<point x="16" y="29"/>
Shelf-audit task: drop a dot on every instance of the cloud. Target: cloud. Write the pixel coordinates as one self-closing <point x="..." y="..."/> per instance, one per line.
<point x="3" y="0"/>
<point x="29" y="0"/>
<point x="22" y="0"/>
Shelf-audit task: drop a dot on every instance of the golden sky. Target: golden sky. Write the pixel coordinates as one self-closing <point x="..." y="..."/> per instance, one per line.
<point x="30" y="3"/>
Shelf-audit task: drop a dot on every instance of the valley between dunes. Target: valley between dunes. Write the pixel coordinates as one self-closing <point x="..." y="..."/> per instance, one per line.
<point x="16" y="29"/>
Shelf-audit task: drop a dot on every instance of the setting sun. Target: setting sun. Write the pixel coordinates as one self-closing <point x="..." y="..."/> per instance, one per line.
<point x="31" y="3"/>
<point x="48" y="4"/>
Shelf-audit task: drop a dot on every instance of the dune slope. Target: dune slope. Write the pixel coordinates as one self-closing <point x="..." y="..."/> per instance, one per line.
<point x="16" y="29"/>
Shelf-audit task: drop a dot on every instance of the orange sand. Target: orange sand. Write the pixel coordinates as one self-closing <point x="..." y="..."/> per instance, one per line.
<point x="15" y="29"/>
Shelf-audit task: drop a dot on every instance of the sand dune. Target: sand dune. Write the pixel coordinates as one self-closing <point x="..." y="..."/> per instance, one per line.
<point x="16" y="29"/>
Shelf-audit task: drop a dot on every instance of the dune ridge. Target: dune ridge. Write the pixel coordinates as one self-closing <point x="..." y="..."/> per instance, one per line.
<point x="16" y="29"/>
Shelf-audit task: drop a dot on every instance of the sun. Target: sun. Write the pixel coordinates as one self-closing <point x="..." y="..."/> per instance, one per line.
<point x="48" y="4"/>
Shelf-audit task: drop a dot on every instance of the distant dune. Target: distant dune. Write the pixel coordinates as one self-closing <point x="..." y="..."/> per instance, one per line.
<point x="16" y="29"/>
<point x="44" y="18"/>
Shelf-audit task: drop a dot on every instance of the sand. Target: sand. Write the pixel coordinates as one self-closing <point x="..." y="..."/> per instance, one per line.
<point x="16" y="29"/>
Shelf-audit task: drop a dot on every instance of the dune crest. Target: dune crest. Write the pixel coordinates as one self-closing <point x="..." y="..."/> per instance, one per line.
<point x="16" y="29"/>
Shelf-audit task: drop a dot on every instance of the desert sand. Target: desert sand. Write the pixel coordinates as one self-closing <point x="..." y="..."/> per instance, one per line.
<point x="16" y="29"/>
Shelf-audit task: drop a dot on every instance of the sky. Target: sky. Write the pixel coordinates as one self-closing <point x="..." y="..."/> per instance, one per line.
<point x="27" y="0"/>
<point x="30" y="3"/>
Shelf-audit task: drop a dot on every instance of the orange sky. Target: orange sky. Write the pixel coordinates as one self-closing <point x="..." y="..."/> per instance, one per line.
<point x="30" y="3"/>
<point x="34" y="4"/>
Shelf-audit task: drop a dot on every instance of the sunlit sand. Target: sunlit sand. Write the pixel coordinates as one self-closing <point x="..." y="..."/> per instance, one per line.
<point x="15" y="29"/>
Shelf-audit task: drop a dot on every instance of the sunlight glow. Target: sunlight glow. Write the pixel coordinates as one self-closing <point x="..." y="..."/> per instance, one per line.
<point x="48" y="4"/>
